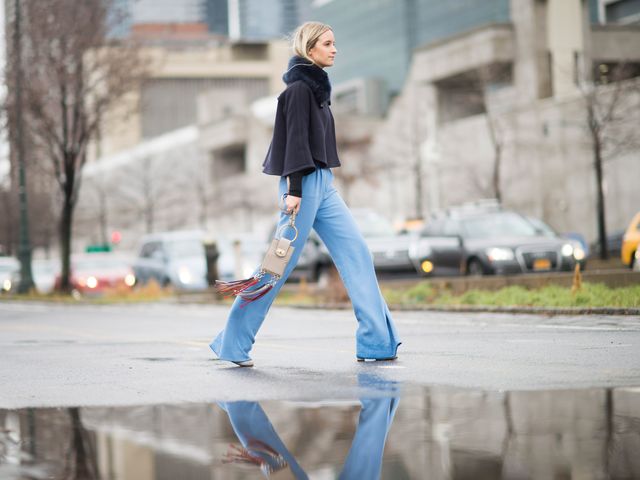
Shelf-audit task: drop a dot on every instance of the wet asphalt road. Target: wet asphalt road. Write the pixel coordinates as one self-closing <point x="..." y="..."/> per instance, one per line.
<point x="55" y="355"/>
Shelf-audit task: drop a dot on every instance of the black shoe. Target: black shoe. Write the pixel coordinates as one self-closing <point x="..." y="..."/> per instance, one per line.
<point x="245" y="363"/>
<point x="388" y="359"/>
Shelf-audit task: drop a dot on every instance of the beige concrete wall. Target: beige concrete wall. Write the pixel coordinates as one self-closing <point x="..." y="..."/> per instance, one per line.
<point x="122" y="131"/>
<point x="547" y="166"/>
<point x="566" y="40"/>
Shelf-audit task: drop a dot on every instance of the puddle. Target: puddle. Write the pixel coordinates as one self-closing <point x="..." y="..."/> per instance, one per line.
<point x="421" y="433"/>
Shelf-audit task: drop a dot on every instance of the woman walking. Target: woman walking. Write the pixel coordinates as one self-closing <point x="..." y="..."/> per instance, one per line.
<point x="302" y="152"/>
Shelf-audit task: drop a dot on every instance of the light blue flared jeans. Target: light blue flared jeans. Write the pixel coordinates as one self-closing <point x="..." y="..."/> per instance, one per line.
<point x="322" y="209"/>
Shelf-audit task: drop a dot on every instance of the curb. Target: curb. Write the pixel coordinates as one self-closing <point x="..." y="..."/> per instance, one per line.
<point x="486" y="309"/>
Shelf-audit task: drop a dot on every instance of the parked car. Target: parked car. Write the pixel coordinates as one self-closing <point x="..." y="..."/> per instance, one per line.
<point x="9" y="267"/>
<point x="43" y="272"/>
<point x="97" y="273"/>
<point x="489" y="240"/>
<point x="174" y="259"/>
<point x="579" y="243"/>
<point x="239" y="255"/>
<point x="389" y="249"/>
<point x="630" y="254"/>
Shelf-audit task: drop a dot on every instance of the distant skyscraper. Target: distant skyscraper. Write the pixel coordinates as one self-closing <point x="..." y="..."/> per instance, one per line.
<point x="250" y="20"/>
<point x="167" y="11"/>
<point x="216" y="14"/>
<point x="265" y="19"/>
<point x="377" y="39"/>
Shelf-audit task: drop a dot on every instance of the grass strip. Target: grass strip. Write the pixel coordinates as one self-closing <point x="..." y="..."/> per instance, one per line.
<point x="589" y="295"/>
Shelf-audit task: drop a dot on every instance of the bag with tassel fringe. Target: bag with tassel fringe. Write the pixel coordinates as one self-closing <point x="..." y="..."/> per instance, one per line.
<point x="274" y="263"/>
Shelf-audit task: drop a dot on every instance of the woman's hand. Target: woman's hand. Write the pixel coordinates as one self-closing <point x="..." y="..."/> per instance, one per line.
<point x="292" y="204"/>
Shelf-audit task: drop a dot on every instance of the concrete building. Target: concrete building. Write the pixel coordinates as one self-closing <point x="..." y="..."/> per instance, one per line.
<point x="259" y="20"/>
<point x="514" y="84"/>
<point x="167" y="99"/>
<point x="624" y="12"/>
<point x="376" y="40"/>
<point x="517" y="89"/>
<point x="190" y="153"/>
<point x="241" y="20"/>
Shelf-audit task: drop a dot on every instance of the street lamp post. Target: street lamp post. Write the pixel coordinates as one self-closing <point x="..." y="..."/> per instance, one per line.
<point x="24" y="247"/>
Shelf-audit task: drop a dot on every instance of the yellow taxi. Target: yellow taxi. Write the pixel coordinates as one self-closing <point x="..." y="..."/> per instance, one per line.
<point x="630" y="254"/>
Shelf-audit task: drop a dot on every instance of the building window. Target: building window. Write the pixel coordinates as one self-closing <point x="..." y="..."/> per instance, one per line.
<point x="228" y="162"/>
<point x="466" y="94"/>
<point x="621" y="11"/>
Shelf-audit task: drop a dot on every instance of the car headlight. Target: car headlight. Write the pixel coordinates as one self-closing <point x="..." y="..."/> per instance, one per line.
<point x="500" y="254"/>
<point x="130" y="280"/>
<point x="579" y="253"/>
<point x="427" y="266"/>
<point x="6" y="285"/>
<point x="567" y="250"/>
<point x="184" y="275"/>
<point x="92" y="282"/>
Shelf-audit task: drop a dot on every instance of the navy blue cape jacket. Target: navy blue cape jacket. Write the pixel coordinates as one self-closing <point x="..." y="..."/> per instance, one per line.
<point x="304" y="134"/>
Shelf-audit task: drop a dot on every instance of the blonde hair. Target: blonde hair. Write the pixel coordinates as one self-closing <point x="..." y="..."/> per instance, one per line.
<point x="305" y="37"/>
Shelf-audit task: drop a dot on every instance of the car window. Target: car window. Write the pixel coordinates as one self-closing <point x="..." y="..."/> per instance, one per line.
<point x="190" y="247"/>
<point x="434" y="228"/>
<point x="542" y="227"/>
<point x="373" y="225"/>
<point x="147" y="249"/>
<point x="450" y="228"/>
<point x="503" y="224"/>
<point x="104" y="264"/>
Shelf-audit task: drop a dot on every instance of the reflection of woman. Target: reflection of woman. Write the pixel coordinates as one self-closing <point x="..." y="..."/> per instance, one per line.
<point x="263" y="447"/>
<point x="302" y="152"/>
<point x="365" y="455"/>
<point x="261" y="444"/>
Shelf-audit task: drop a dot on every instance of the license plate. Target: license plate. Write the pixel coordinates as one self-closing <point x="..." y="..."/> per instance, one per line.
<point x="541" y="264"/>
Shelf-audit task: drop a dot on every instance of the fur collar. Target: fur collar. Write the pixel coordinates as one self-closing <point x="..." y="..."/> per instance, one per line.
<point x="315" y="77"/>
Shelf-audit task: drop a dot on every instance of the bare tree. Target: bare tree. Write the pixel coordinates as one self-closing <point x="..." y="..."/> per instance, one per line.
<point x="74" y="71"/>
<point x="141" y="187"/>
<point x="608" y="111"/>
<point x="473" y="93"/>
<point x="81" y="459"/>
<point x="357" y="168"/>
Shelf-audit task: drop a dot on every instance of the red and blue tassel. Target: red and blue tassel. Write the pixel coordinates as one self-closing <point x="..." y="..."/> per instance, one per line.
<point x="244" y="288"/>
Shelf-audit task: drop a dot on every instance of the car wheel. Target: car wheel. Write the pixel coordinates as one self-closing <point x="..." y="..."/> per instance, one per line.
<point x="475" y="269"/>
<point x="635" y="264"/>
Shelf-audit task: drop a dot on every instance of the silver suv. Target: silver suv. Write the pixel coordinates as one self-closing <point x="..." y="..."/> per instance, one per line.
<point x="174" y="259"/>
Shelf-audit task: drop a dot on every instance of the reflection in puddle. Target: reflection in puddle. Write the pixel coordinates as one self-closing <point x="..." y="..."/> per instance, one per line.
<point x="431" y="433"/>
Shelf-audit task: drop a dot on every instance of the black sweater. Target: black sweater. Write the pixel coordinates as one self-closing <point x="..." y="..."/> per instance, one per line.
<point x="304" y="135"/>
<point x="295" y="184"/>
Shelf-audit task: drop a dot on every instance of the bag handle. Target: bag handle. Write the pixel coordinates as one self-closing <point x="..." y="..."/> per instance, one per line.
<point x="291" y="224"/>
<point x="292" y="219"/>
